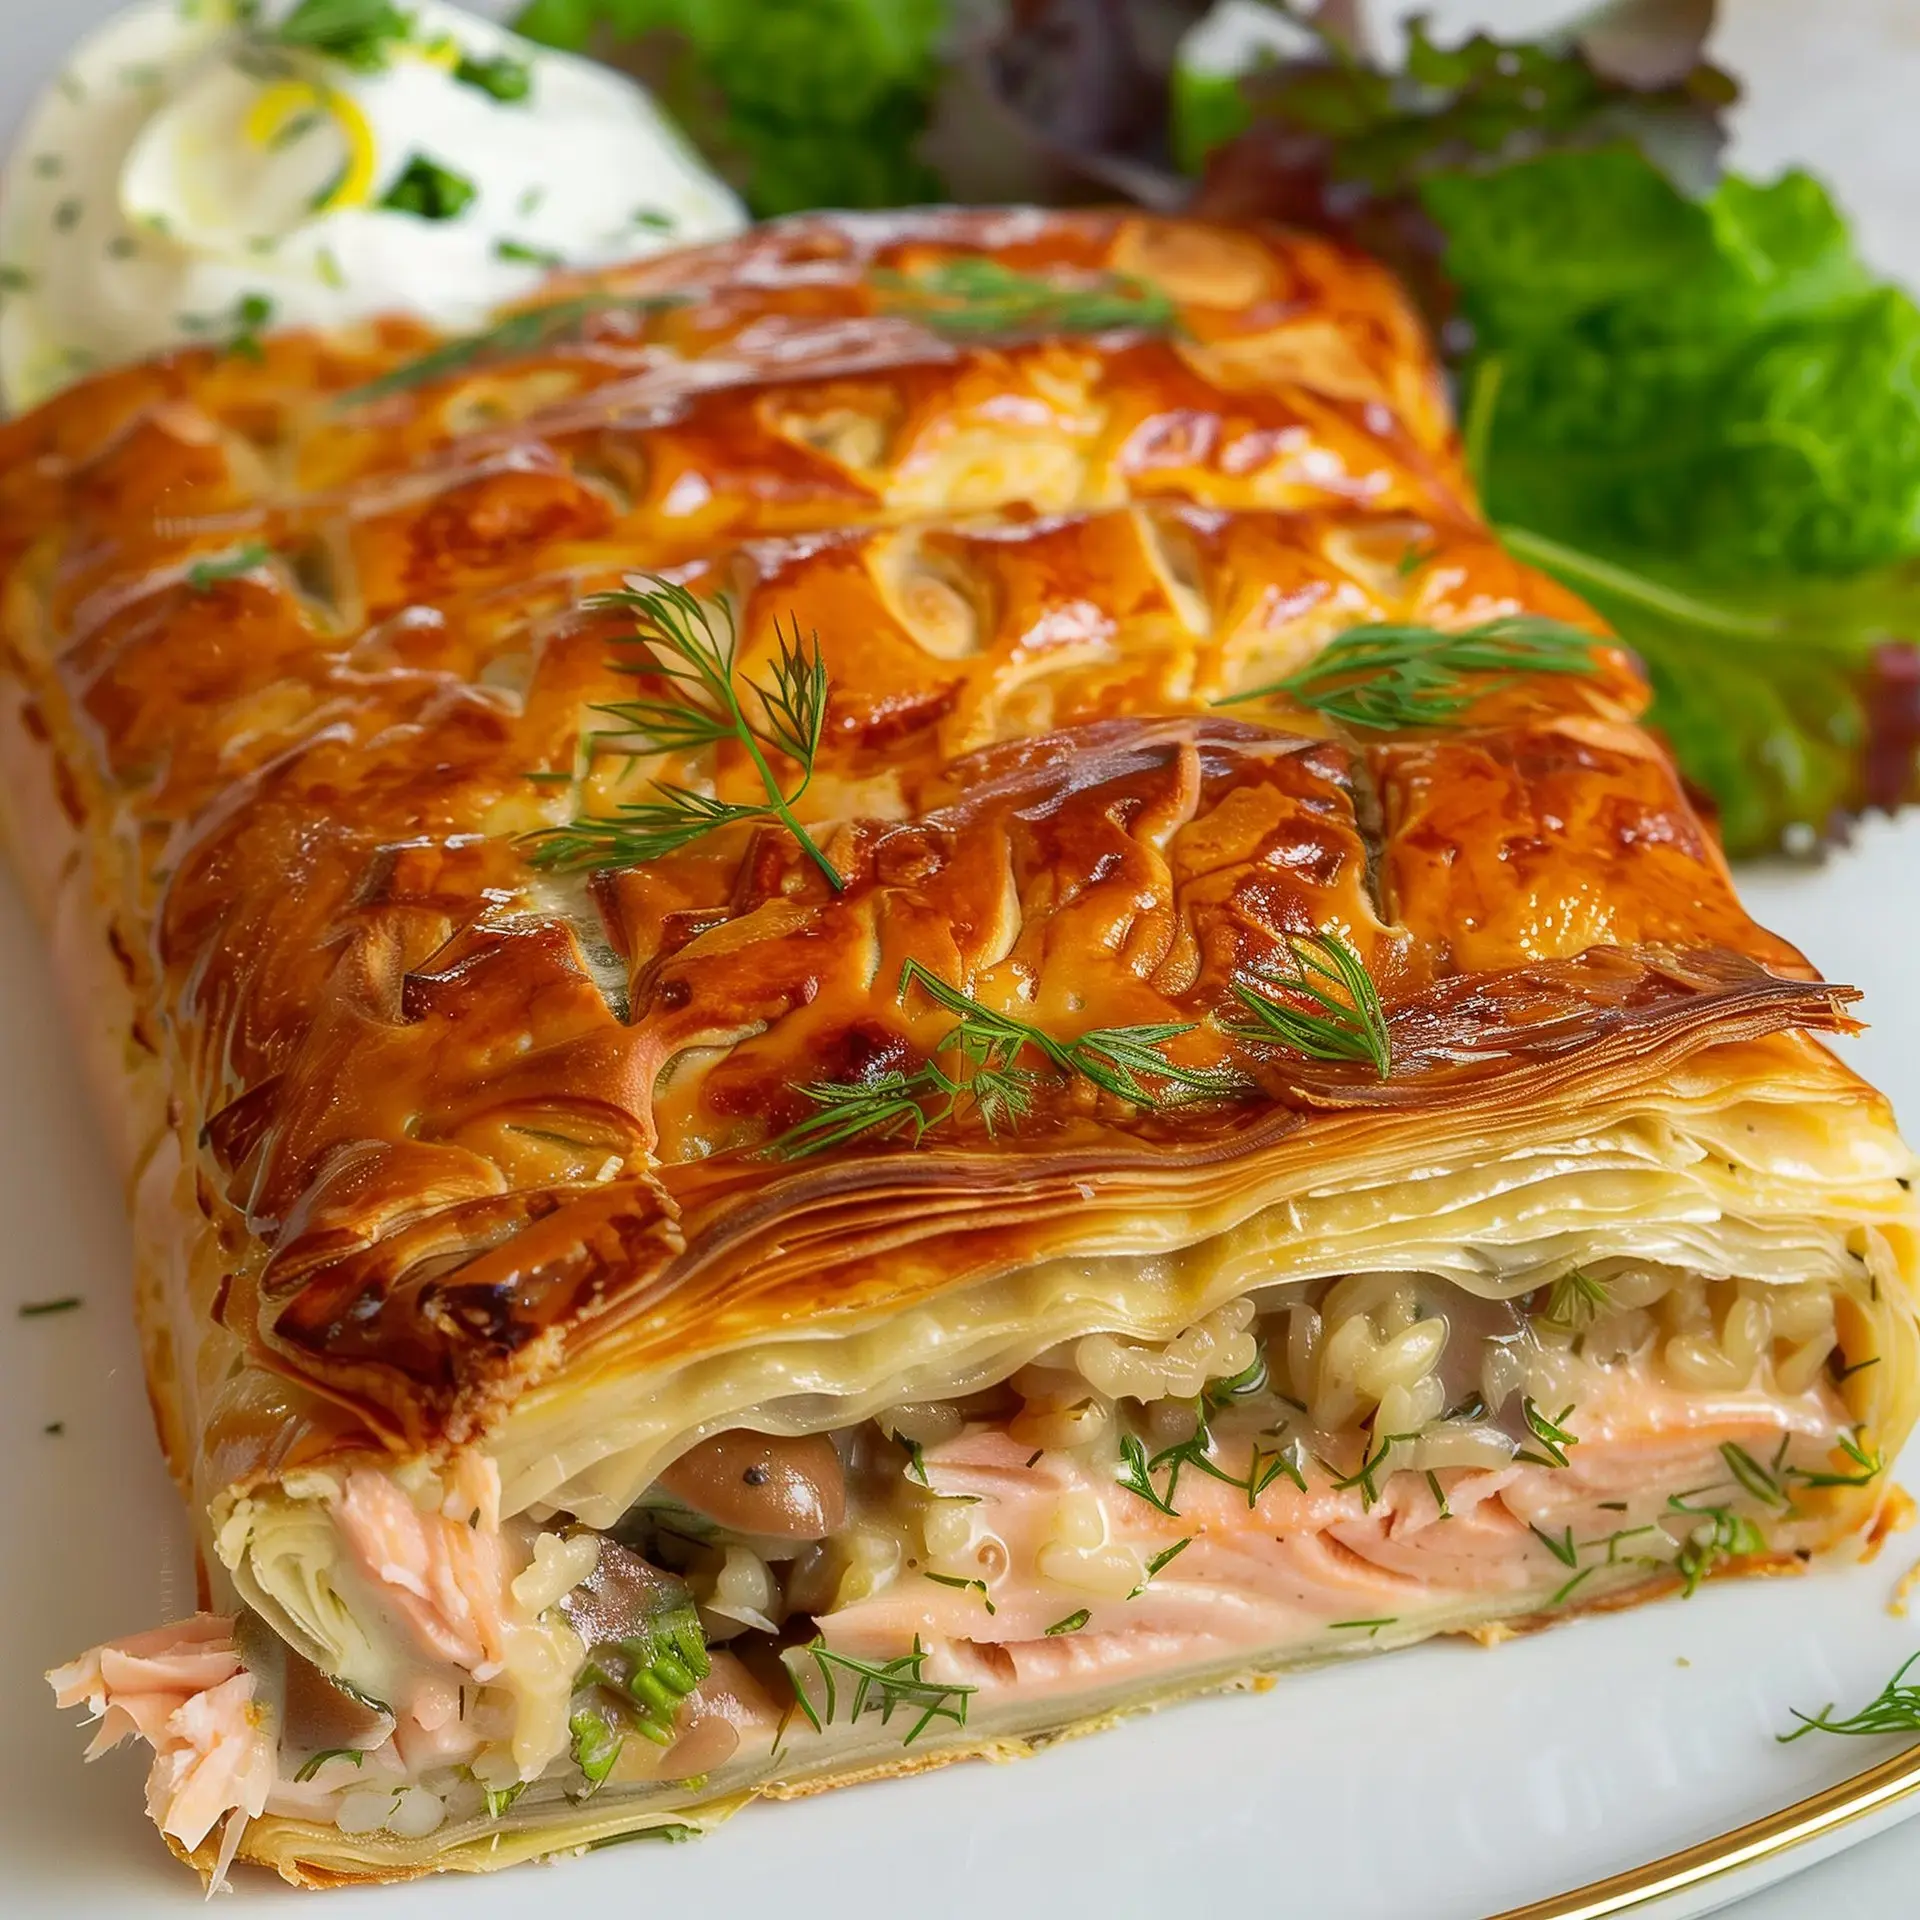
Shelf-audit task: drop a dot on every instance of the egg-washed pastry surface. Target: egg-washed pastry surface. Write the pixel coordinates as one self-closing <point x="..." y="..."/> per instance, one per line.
<point x="874" y="990"/>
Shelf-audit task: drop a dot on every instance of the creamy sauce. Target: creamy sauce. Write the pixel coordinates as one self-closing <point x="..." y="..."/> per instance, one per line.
<point x="191" y="178"/>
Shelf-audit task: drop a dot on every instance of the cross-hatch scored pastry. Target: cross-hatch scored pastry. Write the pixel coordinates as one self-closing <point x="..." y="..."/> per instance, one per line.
<point x="1203" y="1100"/>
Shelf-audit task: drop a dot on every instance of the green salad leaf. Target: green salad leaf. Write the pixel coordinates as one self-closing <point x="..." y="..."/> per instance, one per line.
<point x="805" y="103"/>
<point x="1704" y="415"/>
<point x="1683" y="393"/>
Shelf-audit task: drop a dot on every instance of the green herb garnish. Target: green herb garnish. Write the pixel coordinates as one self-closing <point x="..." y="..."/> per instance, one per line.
<point x="597" y="1744"/>
<point x="359" y="33"/>
<point x="887" y="1687"/>
<point x="1764" y="1483"/>
<point x="1562" y="1549"/>
<point x="1552" y="1434"/>
<point x="1720" y="1536"/>
<point x="526" y="330"/>
<point x="700" y="706"/>
<point x="1366" y="1476"/>
<point x="1071" y="1624"/>
<point x="203" y="575"/>
<point x="428" y="191"/>
<point x="642" y="1678"/>
<point x="508" y="80"/>
<point x="1127" y="1062"/>
<point x="1386" y="678"/>
<point x="976" y="295"/>
<point x="1372" y="1626"/>
<point x="673" y="1832"/>
<point x="1240" y="1386"/>
<point x="242" y="324"/>
<point x="1894" y="1709"/>
<point x="964" y="1586"/>
<point x="313" y="1764"/>
<point x="38" y="1309"/>
<point x="499" y="1799"/>
<point x="1348" y="1022"/>
<point x="1135" y="1476"/>
<point x="521" y="254"/>
<point x="1575" y="1300"/>
<point x="1870" y="1462"/>
<point x="1167" y="1555"/>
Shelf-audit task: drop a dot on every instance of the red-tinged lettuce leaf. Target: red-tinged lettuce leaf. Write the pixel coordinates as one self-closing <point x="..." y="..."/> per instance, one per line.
<point x="1073" y="96"/>
<point x="1345" y="145"/>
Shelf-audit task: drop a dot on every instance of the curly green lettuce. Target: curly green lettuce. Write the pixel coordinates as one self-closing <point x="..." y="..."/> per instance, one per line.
<point x="807" y="103"/>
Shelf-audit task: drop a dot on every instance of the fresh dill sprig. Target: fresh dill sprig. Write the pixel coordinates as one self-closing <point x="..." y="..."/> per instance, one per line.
<point x="1568" y="1550"/>
<point x="1770" y="1483"/>
<point x="1551" y="1433"/>
<point x="889" y="1687"/>
<point x="1870" y="1462"/>
<point x="890" y="1103"/>
<point x="1071" y="1624"/>
<point x="964" y="1586"/>
<point x="1383" y="678"/>
<point x="1765" y="1483"/>
<point x="1135" y="1475"/>
<point x="1167" y="1555"/>
<point x="701" y="706"/>
<point x="1128" y="1062"/>
<point x="1574" y="1301"/>
<point x="1894" y="1709"/>
<point x="1372" y="1459"/>
<point x="525" y="330"/>
<point x="972" y="295"/>
<point x="1248" y="1381"/>
<point x="1372" y="1626"/>
<point x="1117" y="1060"/>
<point x="39" y="1309"/>
<point x="1563" y="1549"/>
<point x="314" y="1762"/>
<point x="1264" y="1467"/>
<point x="1349" y="1022"/>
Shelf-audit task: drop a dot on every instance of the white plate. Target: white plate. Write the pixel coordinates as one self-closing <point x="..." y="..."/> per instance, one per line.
<point x="1441" y="1784"/>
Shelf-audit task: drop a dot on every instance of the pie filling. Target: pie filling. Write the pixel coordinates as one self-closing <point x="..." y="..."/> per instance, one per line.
<point x="1324" y="1469"/>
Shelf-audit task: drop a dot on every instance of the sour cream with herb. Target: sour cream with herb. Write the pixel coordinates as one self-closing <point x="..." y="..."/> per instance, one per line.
<point x="206" y="171"/>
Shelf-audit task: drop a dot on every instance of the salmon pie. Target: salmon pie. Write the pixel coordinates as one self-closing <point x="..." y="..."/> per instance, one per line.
<point x="871" y="991"/>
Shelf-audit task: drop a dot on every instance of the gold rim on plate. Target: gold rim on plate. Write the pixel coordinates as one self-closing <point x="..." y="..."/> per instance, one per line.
<point x="1776" y="1833"/>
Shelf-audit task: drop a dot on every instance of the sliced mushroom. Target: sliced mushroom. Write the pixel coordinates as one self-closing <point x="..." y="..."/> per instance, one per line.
<point x="305" y="1709"/>
<point x="623" y="1596"/>
<point x="789" y="1489"/>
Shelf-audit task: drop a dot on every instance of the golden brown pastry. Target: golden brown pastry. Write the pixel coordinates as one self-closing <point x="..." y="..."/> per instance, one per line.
<point x="871" y="991"/>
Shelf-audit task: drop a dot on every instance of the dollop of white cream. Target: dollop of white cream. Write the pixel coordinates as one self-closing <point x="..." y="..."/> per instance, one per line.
<point x="190" y="177"/>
